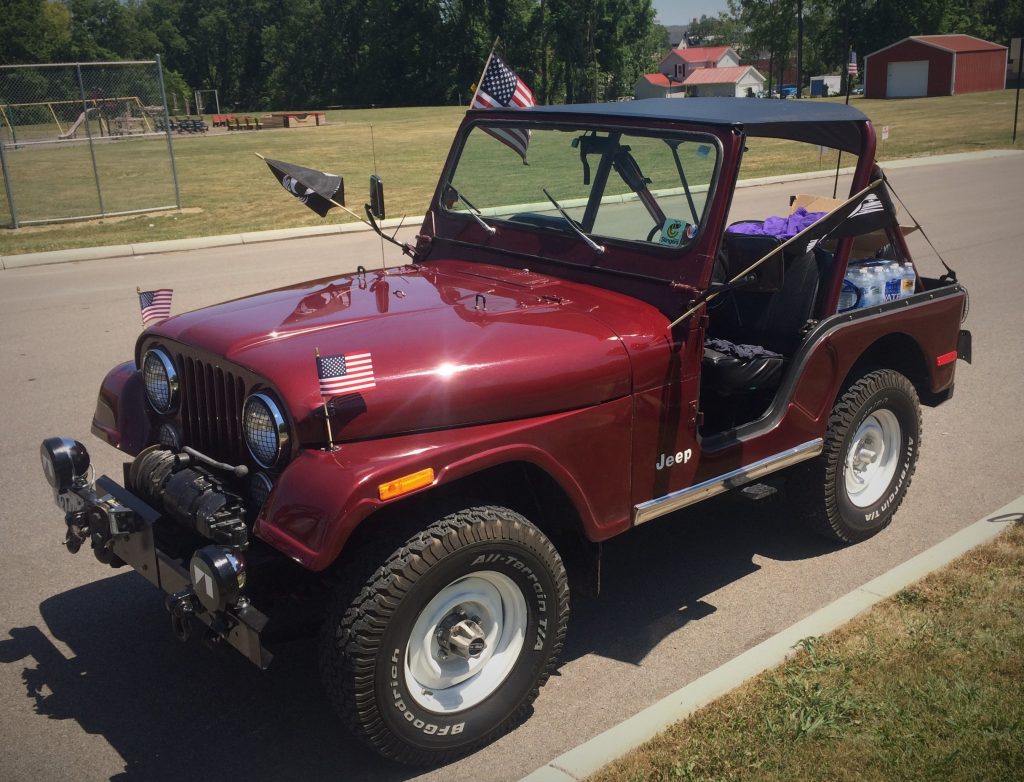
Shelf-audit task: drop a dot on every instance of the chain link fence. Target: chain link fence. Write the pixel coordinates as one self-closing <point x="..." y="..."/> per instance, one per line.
<point x="84" y="140"/>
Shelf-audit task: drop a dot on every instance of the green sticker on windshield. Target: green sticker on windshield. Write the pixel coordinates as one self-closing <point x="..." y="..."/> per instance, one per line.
<point x="672" y="232"/>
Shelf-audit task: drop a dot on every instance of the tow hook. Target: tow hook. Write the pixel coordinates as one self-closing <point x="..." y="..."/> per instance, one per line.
<point x="182" y="607"/>
<point x="78" y="531"/>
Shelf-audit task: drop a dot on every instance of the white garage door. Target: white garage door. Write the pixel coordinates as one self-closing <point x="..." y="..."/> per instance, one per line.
<point x="907" y="79"/>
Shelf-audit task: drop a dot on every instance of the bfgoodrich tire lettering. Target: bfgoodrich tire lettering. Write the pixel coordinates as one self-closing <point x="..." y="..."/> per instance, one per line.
<point x="366" y="647"/>
<point x="853" y="489"/>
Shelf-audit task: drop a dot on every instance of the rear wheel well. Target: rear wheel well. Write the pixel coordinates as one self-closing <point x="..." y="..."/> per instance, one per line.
<point x="902" y="353"/>
<point x="520" y="486"/>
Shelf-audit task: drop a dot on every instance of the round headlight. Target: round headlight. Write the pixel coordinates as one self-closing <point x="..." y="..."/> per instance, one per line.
<point x="161" y="380"/>
<point x="265" y="430"/>
<point x="168" y="437"/>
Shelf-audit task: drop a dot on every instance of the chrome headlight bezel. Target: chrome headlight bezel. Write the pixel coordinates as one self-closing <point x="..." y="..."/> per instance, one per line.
<point x="278" y="428"/>
<point x="170" y="377"/>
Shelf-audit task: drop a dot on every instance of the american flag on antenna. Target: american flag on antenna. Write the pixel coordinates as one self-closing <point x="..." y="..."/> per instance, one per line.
<point x="155" y="305"/>
<point x="344" y="373"/>
<point x="500" y="86"/>
<point x="851" y="66"/>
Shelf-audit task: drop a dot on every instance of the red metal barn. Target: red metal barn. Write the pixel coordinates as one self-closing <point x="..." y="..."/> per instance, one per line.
<point x="930" y="65"/>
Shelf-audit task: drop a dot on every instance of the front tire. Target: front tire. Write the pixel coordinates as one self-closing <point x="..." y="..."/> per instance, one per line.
<point x="446" y="647"/>
<point x="852" y="490"/>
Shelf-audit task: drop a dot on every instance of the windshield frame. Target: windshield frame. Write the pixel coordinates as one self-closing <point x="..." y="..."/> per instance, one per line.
<point x="623" y="247"/>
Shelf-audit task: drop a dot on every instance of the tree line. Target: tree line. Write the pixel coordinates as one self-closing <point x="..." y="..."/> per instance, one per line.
<point x="298" y="54"/>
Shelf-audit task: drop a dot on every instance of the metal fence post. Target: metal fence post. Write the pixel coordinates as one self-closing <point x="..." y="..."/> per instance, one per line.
<point x="88" y="133"/>
<point x="7" y="186"/>
<point x="167" y="127"/>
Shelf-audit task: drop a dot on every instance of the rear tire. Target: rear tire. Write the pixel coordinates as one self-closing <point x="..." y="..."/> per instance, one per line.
<point x="852" y="490"/>
<point x="391" y="661"/>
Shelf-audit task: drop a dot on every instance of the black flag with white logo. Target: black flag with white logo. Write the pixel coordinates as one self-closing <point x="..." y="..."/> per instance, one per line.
<point x="875" y="211"/>
<point x="315" y="189"/>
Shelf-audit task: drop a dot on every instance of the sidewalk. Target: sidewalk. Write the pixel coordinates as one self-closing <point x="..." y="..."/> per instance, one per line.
<point x="591" y="756"/>
<point x="201" y="242"/>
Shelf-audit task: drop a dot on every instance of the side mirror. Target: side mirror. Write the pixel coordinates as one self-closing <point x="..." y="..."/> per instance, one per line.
<point x="376" y="197"/>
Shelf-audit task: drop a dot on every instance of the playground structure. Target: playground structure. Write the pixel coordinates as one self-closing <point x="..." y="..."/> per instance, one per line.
<point x="107" y="117"/>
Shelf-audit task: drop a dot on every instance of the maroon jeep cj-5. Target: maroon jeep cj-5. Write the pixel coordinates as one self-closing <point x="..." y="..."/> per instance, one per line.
<point x="580" y="345"/>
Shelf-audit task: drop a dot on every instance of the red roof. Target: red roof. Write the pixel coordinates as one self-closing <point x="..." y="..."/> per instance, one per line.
<point x="958" y="43"/>
<point x="661" y="80"/>
<point x="702" y="53"/>
<point x="717" y="75"/>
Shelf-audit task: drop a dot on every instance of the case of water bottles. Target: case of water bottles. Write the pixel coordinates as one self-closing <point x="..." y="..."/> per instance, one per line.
<point x="873" y="281"/>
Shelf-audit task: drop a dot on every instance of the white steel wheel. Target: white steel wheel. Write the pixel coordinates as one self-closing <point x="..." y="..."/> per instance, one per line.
<point x="853" y="489"/>
<point x="487" y="608"/>
<point x="448" y="643"/>
<point x="872" y="458"/>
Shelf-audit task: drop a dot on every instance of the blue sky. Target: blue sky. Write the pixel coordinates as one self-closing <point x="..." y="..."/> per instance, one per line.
<point x="682" y="11"/>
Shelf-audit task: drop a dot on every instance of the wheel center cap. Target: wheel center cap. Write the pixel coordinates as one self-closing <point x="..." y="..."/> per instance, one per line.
<point x="461" y="635"/>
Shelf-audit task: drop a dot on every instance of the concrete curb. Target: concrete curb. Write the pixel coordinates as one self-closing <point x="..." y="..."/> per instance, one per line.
<point x="591" y="756"/>
<point x="203" y="242"/>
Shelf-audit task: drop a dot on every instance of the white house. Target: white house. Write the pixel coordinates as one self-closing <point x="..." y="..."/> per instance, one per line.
<point x="680" y="63"/>
<point x="736" y="81"/>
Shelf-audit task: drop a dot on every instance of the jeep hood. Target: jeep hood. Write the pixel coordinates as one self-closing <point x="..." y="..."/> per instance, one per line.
<point x="451" y="344"/>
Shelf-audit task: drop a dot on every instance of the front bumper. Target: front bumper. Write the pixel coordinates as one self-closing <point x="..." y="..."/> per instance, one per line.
<point x="120" y="529"/>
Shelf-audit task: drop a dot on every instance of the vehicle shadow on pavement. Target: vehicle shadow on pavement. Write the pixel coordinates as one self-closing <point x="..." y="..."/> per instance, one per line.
<point x="654" y="580"/>
<point x="174" y="711"/>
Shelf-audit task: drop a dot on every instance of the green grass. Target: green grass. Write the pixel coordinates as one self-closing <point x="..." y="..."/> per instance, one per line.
<point x="227" y="189"/>
<point x="926" y="686"/>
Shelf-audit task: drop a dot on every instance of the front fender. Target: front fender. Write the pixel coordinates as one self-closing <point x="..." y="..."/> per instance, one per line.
<point x="121" y="418"/>
<point x="323" y="496"/>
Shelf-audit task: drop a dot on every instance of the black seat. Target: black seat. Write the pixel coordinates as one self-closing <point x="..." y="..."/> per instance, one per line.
<point x="752" y="331"/>
<point x="731" y="369"/>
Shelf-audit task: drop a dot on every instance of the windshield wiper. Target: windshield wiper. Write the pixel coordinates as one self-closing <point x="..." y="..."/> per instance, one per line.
<point x="474" y="212"/>
<point x="572" y="224"/>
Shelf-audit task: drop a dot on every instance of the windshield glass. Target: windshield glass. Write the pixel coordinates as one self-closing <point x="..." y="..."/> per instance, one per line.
<point x="632" y="186"/>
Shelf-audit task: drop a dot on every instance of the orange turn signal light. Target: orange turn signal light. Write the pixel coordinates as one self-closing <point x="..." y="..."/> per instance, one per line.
<point x="406" y="484"/>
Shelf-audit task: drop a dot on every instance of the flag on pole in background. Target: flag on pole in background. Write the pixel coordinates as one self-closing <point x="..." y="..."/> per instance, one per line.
<point x="316" y="189"/>
<point x="344" y="373"/>
<point x="500" y="86"/>
<point x="155" y="305"/>
<point x="851" y="66"/>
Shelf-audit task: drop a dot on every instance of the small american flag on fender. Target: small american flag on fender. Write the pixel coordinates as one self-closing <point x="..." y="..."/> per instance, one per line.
<point x="155" y="305"/>
<point x="344" y="373"/>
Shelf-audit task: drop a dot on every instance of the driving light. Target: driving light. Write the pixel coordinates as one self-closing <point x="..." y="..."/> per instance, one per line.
<point x="218" y="576"/>
<point x="265" y="430"/>
<point x="64" y="461"/>
<point x="161" y="380"/>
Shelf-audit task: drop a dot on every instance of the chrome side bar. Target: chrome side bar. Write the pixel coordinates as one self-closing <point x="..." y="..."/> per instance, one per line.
<point x="652" y="509"/>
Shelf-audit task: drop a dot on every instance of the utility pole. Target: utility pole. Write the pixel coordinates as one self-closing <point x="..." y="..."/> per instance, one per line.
<point x="799" y="47"/>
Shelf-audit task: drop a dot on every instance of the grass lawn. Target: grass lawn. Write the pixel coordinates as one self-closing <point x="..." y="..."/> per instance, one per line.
<point x="227" y="189"/>
<point x="926" y="686"/>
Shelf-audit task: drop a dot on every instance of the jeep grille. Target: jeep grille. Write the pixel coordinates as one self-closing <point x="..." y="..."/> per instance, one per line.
<point x="211" y="409"/>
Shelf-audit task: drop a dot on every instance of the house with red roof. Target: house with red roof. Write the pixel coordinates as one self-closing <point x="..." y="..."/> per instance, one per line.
<point x="705" y="71"/>
<point x="930" y="65"/>
<point x="680" y="63"/>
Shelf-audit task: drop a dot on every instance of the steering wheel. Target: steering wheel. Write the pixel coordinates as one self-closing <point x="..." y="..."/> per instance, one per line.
<point x="654" y="231"/>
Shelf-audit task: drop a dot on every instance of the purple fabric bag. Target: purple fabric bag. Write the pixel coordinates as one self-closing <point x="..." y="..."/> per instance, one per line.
<point x="781" y="228"/>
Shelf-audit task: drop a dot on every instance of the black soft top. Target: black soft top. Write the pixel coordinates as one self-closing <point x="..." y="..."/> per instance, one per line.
<point x="832" y="125"/>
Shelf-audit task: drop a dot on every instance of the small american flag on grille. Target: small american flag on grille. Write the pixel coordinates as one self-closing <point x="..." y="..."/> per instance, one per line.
<point x="155" y="305"/>
<point x="344" y="373"/>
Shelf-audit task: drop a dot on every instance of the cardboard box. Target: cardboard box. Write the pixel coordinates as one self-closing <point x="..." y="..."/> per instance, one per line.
<point x="865" y="245"/>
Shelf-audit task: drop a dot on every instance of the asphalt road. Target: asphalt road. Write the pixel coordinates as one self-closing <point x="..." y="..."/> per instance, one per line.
<point x="93" y="685"/>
